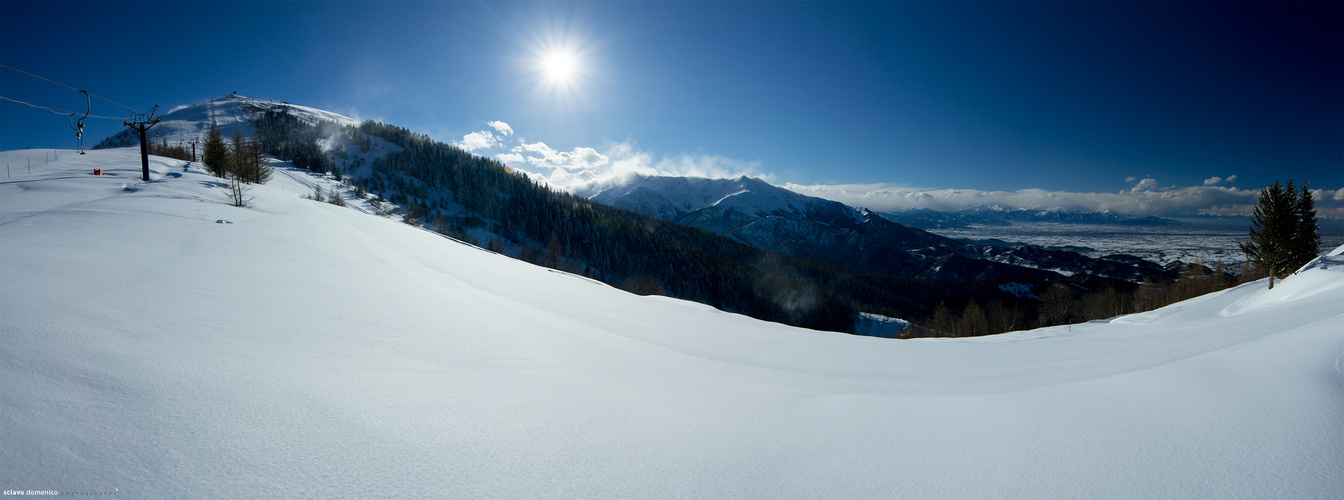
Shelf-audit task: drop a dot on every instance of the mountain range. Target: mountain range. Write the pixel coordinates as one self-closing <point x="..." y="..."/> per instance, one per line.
<point x="769" y="217"/>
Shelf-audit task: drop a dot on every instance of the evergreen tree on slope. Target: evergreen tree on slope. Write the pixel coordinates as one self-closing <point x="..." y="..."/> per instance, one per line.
<point x="1307" y="240"/>
<point x="1284" y="234"/>
<point x="216" y="154"/>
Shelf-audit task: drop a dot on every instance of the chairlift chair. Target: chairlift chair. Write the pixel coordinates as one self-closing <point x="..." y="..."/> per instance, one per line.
<point x="79" y="127"/>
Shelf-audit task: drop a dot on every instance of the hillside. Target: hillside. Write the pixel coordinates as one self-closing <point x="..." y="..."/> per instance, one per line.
<point x="160" y="343"/>
<point x="184" y="124"/>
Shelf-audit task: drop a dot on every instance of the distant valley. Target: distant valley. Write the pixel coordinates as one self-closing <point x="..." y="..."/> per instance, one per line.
<point x="769" y="217"/>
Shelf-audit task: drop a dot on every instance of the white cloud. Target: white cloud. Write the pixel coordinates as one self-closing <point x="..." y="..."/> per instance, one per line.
<point x="477" y="140"/>
<point x="580" y="158"/>
<point x="709" y="166"/>
<point x="501" y="127"/>
<point x="627" y="159"/>
<point x="536" y="147"/>
<point x="1145" y="184"/>
<point x="583" y="167"/>
<point x="589" y="164"/>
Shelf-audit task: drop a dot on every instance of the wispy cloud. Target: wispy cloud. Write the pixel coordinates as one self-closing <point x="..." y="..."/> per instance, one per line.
<point x="1215" y="180"/>
<point x="501" y="127"/>
<point x="710" y="166"/>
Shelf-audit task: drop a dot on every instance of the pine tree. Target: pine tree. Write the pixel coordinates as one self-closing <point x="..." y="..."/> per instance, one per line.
<point x="335" y="197"/>
<point x="248" y="161"/>
<point x="1276" y="231"/>
<point x="942" y="320"/>
<point x="238" y="155"/>
<point x="260" y="170"/>
<point x="1055" y="305"/>
<point x="972" y="322"/>
<point x="216" y="155"/>
<point x="1307" y="240"/>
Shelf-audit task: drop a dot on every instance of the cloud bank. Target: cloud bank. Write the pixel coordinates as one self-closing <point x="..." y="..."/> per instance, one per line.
<point x="581" y="167"/>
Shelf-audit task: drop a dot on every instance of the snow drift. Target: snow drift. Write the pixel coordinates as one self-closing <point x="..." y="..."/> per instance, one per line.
<point x="157" y="342"/>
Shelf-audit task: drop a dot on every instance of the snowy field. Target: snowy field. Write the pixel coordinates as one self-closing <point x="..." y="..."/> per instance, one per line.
<point x="156" y="342"/>
<point x="1207" y="239"/>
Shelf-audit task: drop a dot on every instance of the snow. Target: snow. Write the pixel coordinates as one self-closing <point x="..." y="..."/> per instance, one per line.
<point x="679" y="195"/>
<point x="309" y="350"/>
<point x="192" y="122"/>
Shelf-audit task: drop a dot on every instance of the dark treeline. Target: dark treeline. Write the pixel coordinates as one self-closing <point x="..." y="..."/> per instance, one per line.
<point x="176" y="152"/>
<point x="1079" y="300"/>
<point x="128" y="137"/>
<point x="286" y="137"/>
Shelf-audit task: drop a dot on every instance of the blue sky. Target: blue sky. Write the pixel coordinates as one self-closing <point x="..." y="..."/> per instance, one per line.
<point x="845" y="99"/>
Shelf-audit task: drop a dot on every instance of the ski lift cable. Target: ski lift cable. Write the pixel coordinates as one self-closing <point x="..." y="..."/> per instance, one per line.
<point x="58" y="110"/>
<point x="66" y="86"/>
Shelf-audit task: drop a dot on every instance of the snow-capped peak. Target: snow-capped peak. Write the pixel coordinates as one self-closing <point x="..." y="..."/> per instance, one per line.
<point x="191" y="122"/>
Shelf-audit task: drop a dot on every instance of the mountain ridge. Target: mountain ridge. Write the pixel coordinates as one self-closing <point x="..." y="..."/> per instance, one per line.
<point x="770" y="217"/>
<point x="191" y="122"/>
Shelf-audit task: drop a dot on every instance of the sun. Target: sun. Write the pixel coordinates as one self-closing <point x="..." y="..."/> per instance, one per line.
<point x="559" y="67"/>
<point x="560" y="63"/>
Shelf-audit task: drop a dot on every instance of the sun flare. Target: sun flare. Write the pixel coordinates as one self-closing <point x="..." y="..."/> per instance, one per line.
<point x="559" y="66"/>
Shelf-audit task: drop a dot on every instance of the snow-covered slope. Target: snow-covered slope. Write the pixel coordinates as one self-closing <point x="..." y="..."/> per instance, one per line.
<point x="191" y="122"/>
<point x="157" y="342"/>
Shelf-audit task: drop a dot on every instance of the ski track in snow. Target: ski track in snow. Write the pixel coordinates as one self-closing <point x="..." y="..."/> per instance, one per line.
<point x="307" y="350"/>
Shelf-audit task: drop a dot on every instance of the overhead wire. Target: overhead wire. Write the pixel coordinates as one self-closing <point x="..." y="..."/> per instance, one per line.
<point x="67" y="86"/>
<point x="58" y="111"/>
